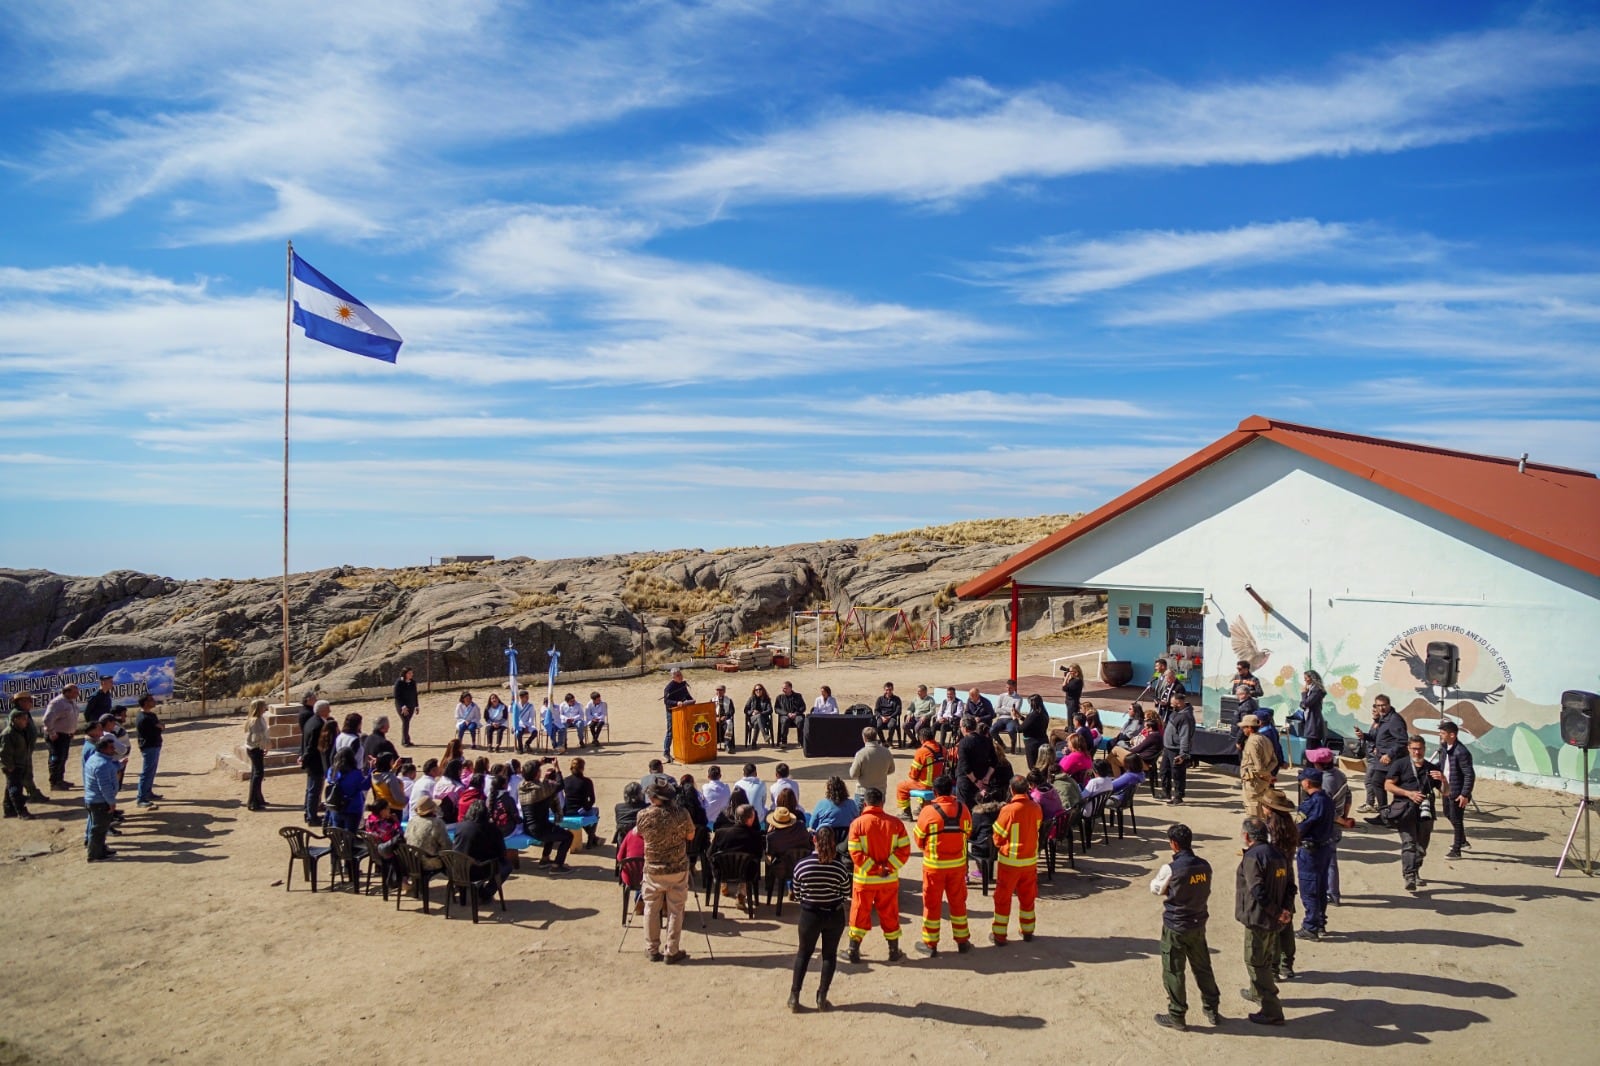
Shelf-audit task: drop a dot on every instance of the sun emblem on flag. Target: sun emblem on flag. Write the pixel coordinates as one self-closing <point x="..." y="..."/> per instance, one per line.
<point x="344" y="313"/>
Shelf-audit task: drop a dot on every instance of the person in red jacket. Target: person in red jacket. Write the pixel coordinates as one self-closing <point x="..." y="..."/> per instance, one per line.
<point x="941" y="832"/>
<point x="879" y="847"/>
<point x="1016" y="842"/>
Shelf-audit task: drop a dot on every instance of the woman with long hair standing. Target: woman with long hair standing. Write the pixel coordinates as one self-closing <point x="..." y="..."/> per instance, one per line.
<point x="822" y="881"/>
<point x="1072" y="689"/>
<point x="255" y="745"/>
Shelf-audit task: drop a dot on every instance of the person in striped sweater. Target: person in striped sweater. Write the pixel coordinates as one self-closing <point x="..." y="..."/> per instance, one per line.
<point x="822" y="881"/>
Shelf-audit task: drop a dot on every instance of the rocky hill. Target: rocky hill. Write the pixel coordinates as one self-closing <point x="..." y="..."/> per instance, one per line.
<point x="353" y="626"/>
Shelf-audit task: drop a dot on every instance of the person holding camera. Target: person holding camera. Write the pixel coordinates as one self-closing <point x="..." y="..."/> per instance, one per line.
<point x="1412" y="780"/>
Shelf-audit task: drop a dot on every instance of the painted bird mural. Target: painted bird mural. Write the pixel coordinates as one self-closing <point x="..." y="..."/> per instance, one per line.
<point x="1418" y="665"/>
<point x="1245" y="648"/>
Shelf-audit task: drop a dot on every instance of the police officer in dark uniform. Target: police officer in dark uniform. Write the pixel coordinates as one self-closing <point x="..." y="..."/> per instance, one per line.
<point x="1185" y="894"/>
<point x="1316" y="852"/>
<point x="1263" y="904"/>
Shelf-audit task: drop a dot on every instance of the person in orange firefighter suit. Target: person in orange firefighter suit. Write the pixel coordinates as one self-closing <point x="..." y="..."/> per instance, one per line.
<point x="941" y="833"/>
<point x="878" y="848"/>
<point x="926" y="764"/>
<point x="1016" y="841"/>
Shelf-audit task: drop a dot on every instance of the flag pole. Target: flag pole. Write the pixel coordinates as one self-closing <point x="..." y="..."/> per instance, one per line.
<point x="288" y="316"/>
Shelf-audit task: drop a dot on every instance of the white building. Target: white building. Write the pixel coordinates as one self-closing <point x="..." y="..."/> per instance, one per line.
<point x="1305" y="548"/>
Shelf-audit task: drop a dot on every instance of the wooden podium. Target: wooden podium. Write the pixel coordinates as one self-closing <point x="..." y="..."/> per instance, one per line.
<point x="694" y="732"/>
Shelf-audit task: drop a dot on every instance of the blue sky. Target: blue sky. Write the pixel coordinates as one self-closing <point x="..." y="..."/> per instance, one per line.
<point x="750" y="273"/>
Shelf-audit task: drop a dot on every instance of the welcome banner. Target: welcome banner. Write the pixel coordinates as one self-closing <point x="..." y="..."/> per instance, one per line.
<point x="129" y="681"/>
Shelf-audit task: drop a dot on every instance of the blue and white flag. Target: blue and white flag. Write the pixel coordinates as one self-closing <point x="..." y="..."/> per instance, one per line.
<point x="329" y="314"/>
<point x="555" y="665"/>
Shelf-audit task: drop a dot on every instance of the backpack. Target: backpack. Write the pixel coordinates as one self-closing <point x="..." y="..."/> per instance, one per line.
<point x="333" y="795"/>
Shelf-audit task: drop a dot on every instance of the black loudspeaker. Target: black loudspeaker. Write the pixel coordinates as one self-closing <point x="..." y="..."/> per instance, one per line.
<point x="1444" y="661"/>
<point x="1578" y="713"/>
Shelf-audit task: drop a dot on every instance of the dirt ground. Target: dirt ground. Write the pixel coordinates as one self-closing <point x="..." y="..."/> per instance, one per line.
<point x="188" y="948"/>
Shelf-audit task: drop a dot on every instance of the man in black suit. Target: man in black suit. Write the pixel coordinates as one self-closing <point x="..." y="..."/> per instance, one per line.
<point x="1455" y="772"/>
<point x="311" y="756"/>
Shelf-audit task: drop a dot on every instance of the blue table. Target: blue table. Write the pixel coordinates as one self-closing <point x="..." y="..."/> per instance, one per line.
<point x="580" y="824"/>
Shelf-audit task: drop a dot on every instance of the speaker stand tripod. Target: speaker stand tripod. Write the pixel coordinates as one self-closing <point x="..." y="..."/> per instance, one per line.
<point x="1587" y="862"/>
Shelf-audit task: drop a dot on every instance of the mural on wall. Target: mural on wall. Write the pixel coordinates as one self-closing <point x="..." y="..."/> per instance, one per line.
<point x="1505" y="730"/>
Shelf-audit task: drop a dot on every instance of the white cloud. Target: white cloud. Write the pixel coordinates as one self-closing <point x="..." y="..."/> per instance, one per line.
<point x="1569" y="297"/>
<point x="1449" y="90"/>
<point x="648" y="318"/>
<point x="1060" y="270"/>
<point x="959" y="410"/>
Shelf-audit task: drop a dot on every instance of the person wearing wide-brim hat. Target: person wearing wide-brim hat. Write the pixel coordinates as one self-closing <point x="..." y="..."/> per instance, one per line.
<point x="426" y="833"/>
<point x="1257" y="763"/>
<point x="666" y="829"/>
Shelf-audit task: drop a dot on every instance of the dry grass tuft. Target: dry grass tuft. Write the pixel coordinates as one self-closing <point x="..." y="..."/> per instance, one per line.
<point x="343" y="633"/>
<point x="646" y="592"/>
<point x="414" y="577"/>
<point x="532" y="601"/>
<point x="983" y="531"/>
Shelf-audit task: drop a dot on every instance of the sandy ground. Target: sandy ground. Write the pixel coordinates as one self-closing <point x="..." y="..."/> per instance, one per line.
<point x="190" y="950"/>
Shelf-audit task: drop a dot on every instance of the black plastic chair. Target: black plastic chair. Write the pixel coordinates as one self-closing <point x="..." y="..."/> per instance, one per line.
<point x="780" y="868"/>
<point x="301" y="851"/>
<point x="757" y="727"/>
<point x="981" y="851"/>
<point x="384" y="865"/>
<point x="1121" y="805"/>
<point x="1091" y="810"/>
<point x="410" y="862"/>
<point x="630" y="875"/>
<point x="1060" y="831"/>
<point x="734" y="868"/>
<point x="459" y="877"/>
<point x="348" y="852"/>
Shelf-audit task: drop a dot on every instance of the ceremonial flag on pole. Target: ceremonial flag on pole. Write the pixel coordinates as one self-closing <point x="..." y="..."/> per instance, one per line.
<point x="331" y="315"/>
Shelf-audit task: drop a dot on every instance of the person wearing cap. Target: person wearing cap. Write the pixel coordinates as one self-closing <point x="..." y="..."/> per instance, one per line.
<point x="1336" y="786"/>
<point x="60" y="722"/>
<point x="1263" y="902"/>
<point x="667" y="830"/>
<point x="148" y="727"/>
<point x="427" y="833"/>
<point x="1257" y="763"/>
<point x="1455" y="773"/>
<point x="16" y="756"/>
<point x="1184" y="886"/>
<point x="1316" y="830"/>
<point x="99" y="704"/>
<point x="100" y="797"/>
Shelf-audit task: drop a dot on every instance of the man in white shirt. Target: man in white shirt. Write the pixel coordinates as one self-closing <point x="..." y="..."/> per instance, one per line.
<point x="784" y="781"/>
<point x="422" y="788"/>
<point x="571" y="713"/>
<point x="524" y="721"/>
<point x="950" y="712"/>
<point x="594" y="717"/>
<point x="59" y="723"/>
<point x="1008" y="714"/>
<point x="756" y="792"/>
<point x="714" y="793"/>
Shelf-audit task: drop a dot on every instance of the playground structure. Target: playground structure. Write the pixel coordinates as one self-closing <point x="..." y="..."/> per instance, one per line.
<point x="854" y="623"/>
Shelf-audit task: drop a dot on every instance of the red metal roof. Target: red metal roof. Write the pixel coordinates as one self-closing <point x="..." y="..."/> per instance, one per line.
<point x="1552" y="510"/>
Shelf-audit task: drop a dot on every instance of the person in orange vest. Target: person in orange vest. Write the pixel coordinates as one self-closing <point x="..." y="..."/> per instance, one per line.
<point x="1016" y="842"/>
<point x="926" y="764"/>
<point x="878" y="848"/>
<point x="941" y="833"/>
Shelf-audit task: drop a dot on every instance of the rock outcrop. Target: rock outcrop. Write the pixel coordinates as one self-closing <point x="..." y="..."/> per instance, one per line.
<point x="355" y="626"/>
